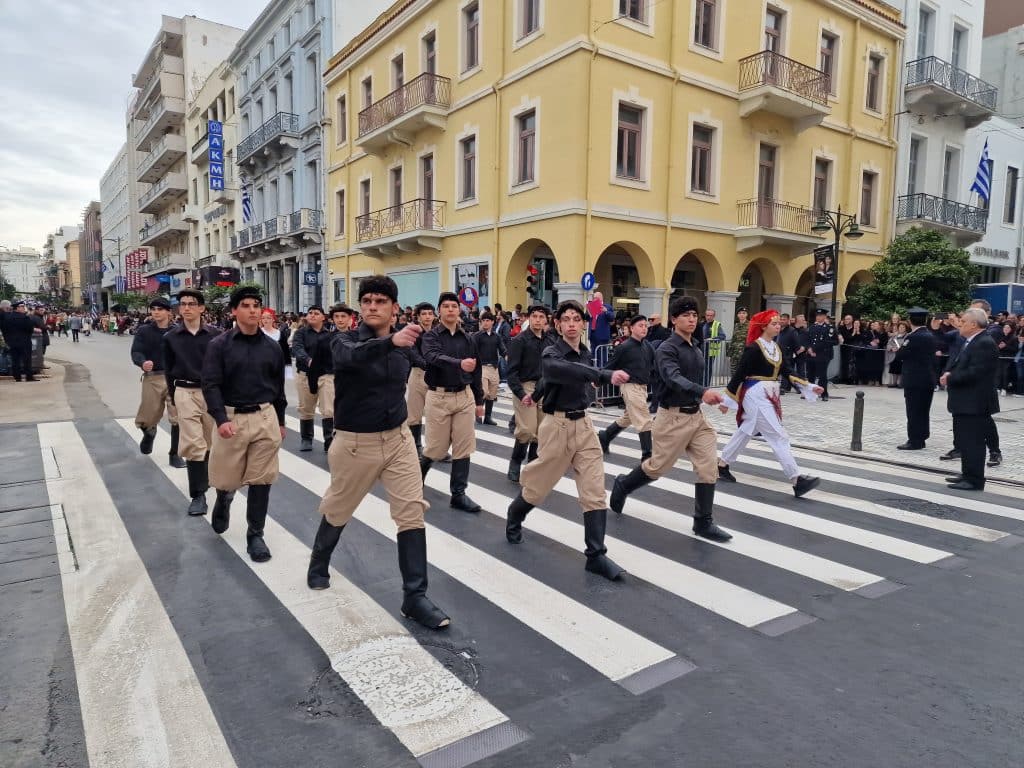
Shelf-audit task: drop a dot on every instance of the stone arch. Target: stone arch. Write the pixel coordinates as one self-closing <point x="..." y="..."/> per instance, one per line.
<point x="530" y="251"/>
<point x="805" y="302"/>
<point x="693" y="275"/>
<point x="760" y="277"/>
<point x="621" y="269"/>
<point x="857" y="279"/>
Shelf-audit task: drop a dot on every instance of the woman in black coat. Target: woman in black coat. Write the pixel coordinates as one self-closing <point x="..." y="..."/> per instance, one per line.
<point x="1008" y="346"/>
<point x="871" y="355"/>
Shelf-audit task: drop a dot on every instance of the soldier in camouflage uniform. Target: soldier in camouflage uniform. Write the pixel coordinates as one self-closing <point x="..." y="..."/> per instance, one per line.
<point x="738" y="342"/>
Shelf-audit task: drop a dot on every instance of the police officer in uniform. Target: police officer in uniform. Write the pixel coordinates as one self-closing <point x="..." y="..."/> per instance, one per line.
<point x="416" y="396"/>
<point x="567" y="438"/>
<point x="680" y="427"/>
<point x="491" y="350"/>
<point x="917" y="358"/>
<point x="635" y="356"/>
<point x="455" y="398"/>
<point x="243" y="384"/>
<point x="18" y="329"/>
<point x="148" y="353"/>
<point x="822" y="339"/>
<point x="184" y="351"/>
<point x="316" y="391"/>
<point x="524" y="373"/>
<point x="371" y="367"/>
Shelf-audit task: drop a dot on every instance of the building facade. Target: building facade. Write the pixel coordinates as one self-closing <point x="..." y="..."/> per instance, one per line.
<point x="183" y="54"/>
<point x="55" y="272"/>
<point x="20" y="268"/>
<point x="279" y="156"/>
<point x="116" y="215"/>
<point x="689" y="156"/>
<point x="90" y="256"/>
<point x="70" y="275"/>
<point x="1002" y="63"/>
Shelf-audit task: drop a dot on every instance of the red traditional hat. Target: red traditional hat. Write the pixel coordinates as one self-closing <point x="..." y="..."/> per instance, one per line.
<point x="758" y="323"/>
<point x="269" y="311"/>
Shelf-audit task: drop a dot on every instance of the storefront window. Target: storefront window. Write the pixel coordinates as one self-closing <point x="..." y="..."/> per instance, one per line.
<point x="477" y="276"/>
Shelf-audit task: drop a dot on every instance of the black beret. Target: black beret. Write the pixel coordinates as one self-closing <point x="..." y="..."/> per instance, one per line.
<point x="197" y="295"/>
<point x="159" y="302"/>
<point x="447" y="296"/>
<point x="246" y="292"/>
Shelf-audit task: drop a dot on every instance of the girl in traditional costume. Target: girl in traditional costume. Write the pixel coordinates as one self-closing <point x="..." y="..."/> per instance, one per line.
<point x="754" y="388"/>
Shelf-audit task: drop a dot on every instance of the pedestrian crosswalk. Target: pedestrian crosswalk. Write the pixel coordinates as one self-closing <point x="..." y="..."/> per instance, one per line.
<point x="852" y="539"/>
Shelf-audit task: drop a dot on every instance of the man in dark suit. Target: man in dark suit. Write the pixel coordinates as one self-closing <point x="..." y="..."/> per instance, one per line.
<point x="917" y="356"/>
<point x="971" y="386"/>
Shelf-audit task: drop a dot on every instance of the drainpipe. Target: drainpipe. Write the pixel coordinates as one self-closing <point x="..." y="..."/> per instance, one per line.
<point x="590" y="144"/>
<point x="493" y="278"/>
<point x="671" y="155"/>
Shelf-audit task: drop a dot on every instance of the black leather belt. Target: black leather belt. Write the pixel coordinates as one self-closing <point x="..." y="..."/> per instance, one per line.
<point x="691" y="409"/>
<point x="186" y="384"/>
<point x="246" y="408"/>
<point x="447" y="389"/>
<point x="572" y="415"/>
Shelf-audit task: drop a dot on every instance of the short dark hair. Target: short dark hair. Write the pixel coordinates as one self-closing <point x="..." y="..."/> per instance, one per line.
<point x="683" y="304"/>
<point x="636" y="319"/>
<point x="423" y="306"/>
<point x="566" y="306"/>
<point x="193" y="293"/>
<point x="343" y="308"/>
<point x="486" y="316"/>
<point x="246" y="292"/>
<point x="537" y="308"/>
<point x="381" y="284"/>
<point x="316" y="307"/>
<point x="448" y="296"/>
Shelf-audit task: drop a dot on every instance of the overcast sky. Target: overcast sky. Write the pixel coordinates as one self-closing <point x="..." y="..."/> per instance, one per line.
<point x="67" y="68"/>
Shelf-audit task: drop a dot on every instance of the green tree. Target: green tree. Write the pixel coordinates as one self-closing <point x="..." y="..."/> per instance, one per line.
<point x="130" y="300"/>
<point x="7" y="291"/>
<point x="217" y="295"/>
<point x="921" y="268"/>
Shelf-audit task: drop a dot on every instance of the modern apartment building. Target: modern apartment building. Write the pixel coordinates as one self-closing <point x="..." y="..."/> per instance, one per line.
<point x="1002" y="63"/>
<point x="183" y="54"/>
<point x="90" y="255"/>
<point x="20" y="267"/>
<point x="117" y="215"/>
<point x="55" y="273"/>
<point x="667" y="149"/>
<point x="279" y="156"/>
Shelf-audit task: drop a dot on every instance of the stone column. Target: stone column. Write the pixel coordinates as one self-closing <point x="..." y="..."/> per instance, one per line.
<point x="288" y="301"/>
<point x="273" y="291"/>
<point x="570" y="291"/>
<point x="652" y="301"/>
<point x="780" y="302"/>
<point x="724" y="304"/>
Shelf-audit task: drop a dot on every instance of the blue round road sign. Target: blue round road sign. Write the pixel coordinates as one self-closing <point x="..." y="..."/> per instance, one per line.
<point x="469" y="296"/>
<point x="588" y="281"/>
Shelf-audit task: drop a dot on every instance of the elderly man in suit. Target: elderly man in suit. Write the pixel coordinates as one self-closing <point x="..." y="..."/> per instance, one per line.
<point x="971" y="386"/>
<point x="917" y="356"/>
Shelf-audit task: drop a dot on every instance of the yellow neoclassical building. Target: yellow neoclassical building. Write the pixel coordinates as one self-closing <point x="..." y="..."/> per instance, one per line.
<point x="672" y="147"/>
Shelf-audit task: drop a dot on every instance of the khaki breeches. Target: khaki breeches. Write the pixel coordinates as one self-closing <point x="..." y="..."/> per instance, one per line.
<point x="416" y="396"/>
<point x="195" y="424"/>
<point x="251" y="456"/>
<point x="154" y="400"/>
<point x="528" y="420"/>
<point x="677" y="433"/>
<point x="323" y="399"/>
<point x="450" y="420"/>
<point x="491" y="379"/>
<point x="564" y="443"/>
<point x="634" y="397"/>
<point x="359" y="460"/>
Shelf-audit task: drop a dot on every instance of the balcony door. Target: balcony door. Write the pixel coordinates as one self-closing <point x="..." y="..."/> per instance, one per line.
<point x="397" y="81"/>
<point x="766" y="186"/>
<point x="396" y="195"/>
<point x="427" y="187"/>
<point x="772" y="44"/>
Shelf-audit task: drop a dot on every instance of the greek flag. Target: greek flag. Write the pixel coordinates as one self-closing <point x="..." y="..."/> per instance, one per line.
<point x="983" y="178"/>
<point x="246" y="201"/>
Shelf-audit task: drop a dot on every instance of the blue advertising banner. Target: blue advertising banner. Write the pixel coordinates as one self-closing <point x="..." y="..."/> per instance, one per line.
<point x="215" y="137"/>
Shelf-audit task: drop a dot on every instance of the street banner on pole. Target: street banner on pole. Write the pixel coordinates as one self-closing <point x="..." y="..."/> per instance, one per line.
<point x="824" y="270"/>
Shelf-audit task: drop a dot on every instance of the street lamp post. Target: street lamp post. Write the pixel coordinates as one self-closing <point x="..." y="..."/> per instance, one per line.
<point x="120" y="276"/>
<point x="841" y="224"/>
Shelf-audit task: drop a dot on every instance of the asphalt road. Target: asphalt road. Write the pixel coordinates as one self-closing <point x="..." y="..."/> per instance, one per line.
<point x="875" y="623"/>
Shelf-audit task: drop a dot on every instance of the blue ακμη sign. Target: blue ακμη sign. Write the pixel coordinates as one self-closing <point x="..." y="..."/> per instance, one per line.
<point x="215" y="127"/>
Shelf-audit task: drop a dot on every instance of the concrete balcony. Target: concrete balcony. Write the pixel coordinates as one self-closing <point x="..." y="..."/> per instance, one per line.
<point x="404" y="228"/>
<point x="395" y="119"/>
<point x="772" y="222"/>
<point x="172" y="225"/>
<point x="280" y="233"/>
<point x="192" y="214"/>
<point x="167" y="112"/>
<point x="169" y="264"/>
<point x="167" y="80"/>
<point x="945" y="89"/>
<point x="200" y="151"/>
<point x="773" y="83"/>
<point x="963" y="224"/>
<point x="276" y="138"/>
<point x="170" y="187"/>
<point x="164" y="154"/>
<point x="168" y="40"/>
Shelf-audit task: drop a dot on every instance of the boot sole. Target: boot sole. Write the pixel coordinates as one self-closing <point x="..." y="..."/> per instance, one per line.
<point x="443" y="625"/>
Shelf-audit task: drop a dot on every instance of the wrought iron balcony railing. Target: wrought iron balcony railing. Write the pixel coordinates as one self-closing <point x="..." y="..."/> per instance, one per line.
<point x="282" y="122"/>
<point x="412" y="216"/>
<point x="427" y="89"/>
<point x="775" y="214"/>
<point x="304" y="219"/>
<point x="770" y="68"/>
<point x="932" y="70"/>
<point x="941" y="210"/>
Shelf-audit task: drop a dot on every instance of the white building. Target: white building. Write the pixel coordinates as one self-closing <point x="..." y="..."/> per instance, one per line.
<point x="117" y="216"/>
<point x="999" y="251"/>
<point x="942" y="96"/>
<point x="55" y="257"/>
<point x="20" y="268"/>
<point x="1002" y="63"/>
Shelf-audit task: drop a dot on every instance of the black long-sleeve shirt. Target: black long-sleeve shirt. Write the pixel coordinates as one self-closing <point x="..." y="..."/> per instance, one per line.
<point x="304" y="346"/>
<point x="635" y="358"/>
<point x="524" y="360"/>
<point x="243" y="369"/>
<point x="568" y="376"/>
<point x="444" y="352"/>
<point x="184" y="352"/>
<point x="148" y="344"/>
<point x="369" y="381"/>
<point x="489" y="347"/>
<point x="681" y="368"/>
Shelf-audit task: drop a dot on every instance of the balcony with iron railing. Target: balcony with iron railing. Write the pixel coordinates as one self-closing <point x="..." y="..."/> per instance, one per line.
<point x="172" y="224"/>
<point x="167" y="80"/>
<point x="948" y="89"/>
<point x="164" y="154"/>
<point x="420" y="103"/>
<point x="200" y="150"/>
<point x="167" y="111"/>
<point x="279" y="231"/>
<point x="170" y="187"/>
<point x="964" y="224"/>
<point x="406" y="227"/>
<point x="171" y="264"/>
<point x="773" y="222"/>
<point x="770" y="82"/>
<point x="278" y="134"/>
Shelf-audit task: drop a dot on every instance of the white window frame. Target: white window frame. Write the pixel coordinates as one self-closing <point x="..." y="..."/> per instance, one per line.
<point x="645" y="27"/>
<point x="399" y="51"/>
<point x="430" y="28"/>
<point x="526" y="105"/>
<point x="705" y="120"/>
<point x="632" y="99"/>
<point x="467" y="132"/>
<point x="965" y="52"/>
<point x="343" y="125"/>
<point x="830" y="193"/>
<point x="882" y="84"/>
<point x="484" y="258"/>
<point x="341" y="227"/>
<point x="431" y="150"/>
<point x="825" y="28"/>
<point x="399" y="165"/>
<point x="1006" y="194"/>
<point x="922" y="161"/>
<point x="467" y="72"/>
<point x="518" y="39"/>
<point x="783" y="10"/>
<point x="369" y="202"/>
<point x="693" y="46"/>
<point x="876" y="208"/>
<point x="933" y="13"/>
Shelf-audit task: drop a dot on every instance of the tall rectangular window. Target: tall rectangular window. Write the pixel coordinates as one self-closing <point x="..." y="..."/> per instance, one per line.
<point x="705" y="13"/>
<point x="822" y="182"/>
<point x="950" y="172"/>
<point x="396" y="186"/>
<point x="367" y="92"/>
<point x="773" y="31"/>
<point x="627" y="164"/>
<point x="924" y="32"/>
<point x="873" y="97"/>
<point x="364" y="197"/>
<point x="467" y="172"/>
<point x="1010" y="197"/>
<point x="827" y="59"/>
<point x="526" y="146"/>
<point x="914" y="165"/>
<point x="701" y="159"/>
<point x="339" y="211"/>
<point x="867" y="198"/>
<point x="957" y="50"/>
<point x="530" y="19"/>
<point x="430" y="53"/>
<point x="471" y="34"/>
<point x="342" y="129"/>
<point x="313" y="78"/>
<point x="634" y="9"/>
<point x="397" y="72"/>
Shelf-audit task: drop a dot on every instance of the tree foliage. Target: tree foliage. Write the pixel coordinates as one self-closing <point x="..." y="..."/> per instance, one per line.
<point x="217" y="295"/>
<point x="130" y="300"/>
<point x="7" y="290"/>
<point x="921" y="268"/>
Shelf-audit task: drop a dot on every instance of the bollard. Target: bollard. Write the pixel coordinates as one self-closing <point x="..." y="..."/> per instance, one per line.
<point x="858" y="422"/>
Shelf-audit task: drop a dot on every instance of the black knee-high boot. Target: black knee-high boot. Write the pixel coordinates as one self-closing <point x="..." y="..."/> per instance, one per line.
<point x="417" y="437"/>
<point x="488" y="407"/>
<point x="532" y="454"/>
<point x="198" y="485"/>
<point x="703" y="522"/>
<point x="606" y="435"/>
<point x="412" y="561"/>
<point x="459" y="483"/>
<point x="646" y="445"/>
<point x="517" y="512"/>
<point x="328" y="427"/>
<point x="306" y="427"/>
<point x="594" y="523"/>
<point x="221" y="516"/>
<point x="625" y="485"/>
<point x="172" y="455"/>
<point x="318" y="576"/>
<point x="516" y="462"/>
<point x="256" y="516"/>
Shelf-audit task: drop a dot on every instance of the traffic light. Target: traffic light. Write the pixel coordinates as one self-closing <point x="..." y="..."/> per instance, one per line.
<point x="531" y="281"/>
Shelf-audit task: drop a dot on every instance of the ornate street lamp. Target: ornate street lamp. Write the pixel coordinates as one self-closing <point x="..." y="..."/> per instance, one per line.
<point x="841" y="224"/>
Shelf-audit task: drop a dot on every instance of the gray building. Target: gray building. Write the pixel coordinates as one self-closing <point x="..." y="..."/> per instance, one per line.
<point x="1002" y="64"/>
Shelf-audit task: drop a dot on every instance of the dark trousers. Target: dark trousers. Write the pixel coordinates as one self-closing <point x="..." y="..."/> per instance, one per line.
<point x="21" y="361"/>
<point x="969" y="437"/>
<point x="991" y="435"/>
<point x="821" y="372"/>
<point x="918" y="402"/>
<point x="74" y="334"/>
